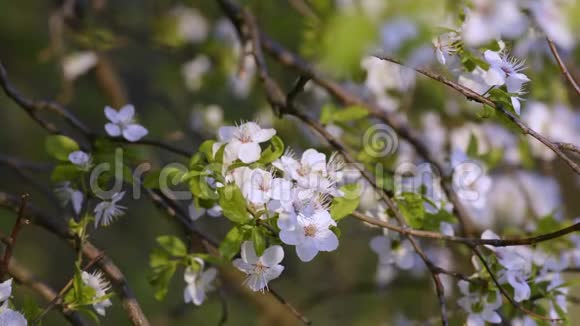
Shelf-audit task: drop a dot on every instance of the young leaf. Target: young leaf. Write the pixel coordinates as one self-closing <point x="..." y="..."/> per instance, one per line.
<point x="231" y="244"/>
<point x="173" y="245"/>
<point x="60" y="147"/>
<point x="413" y="209"/>
<point x="341" y="207"/>
<point x="273" y="152"/>
<point x="259" y="240"/>
<point x="233" y="203"/>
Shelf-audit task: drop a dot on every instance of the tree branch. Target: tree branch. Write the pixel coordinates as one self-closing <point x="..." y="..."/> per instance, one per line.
<point x="562" y="66"/>
<point x="473" y="96"/>
<point x="113" y="273"/>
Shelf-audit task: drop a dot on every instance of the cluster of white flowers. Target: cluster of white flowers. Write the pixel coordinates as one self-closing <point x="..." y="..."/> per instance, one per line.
<point x="298" y="191"/>
<point x="493" y="19"/>
<point x="521" y="268"/>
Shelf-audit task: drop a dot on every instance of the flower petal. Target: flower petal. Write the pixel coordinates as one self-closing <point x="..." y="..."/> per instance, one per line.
<point x="226" y="133"/>
<point x="113" y="130"/>
<point x="111" y="114"/>
<point x="263" y="135"/>
<point x="291" y="237"/>
<point x="272" y="256"/>
<point x="249" y="253"/>
<point x="326" y="241"/>
<point x="134" y="132"/>
<point x="126" y="113"/>
<point x="306" y="251"/>
<point x="492" y="57"/>
<point x="249" y="152"/>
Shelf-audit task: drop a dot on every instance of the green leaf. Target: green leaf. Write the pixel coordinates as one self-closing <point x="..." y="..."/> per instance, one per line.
<point x="30" y="308"/>
<point x="233" y="203"/>
<point x="432" y="221"/>
<point x="259" y="240"/>
<point x="232" y="242"/>
<point x="413" y="210"/>
<point x="65" y="172"/>
<point x="173" y="245"/>
<point x="273" y="152"/>
<point x="200" y="189"/>
<point x="60" y="147"/>
<point x="327" y="113"/>
<point x="350" y="113"/>
<point x="161" y="277"/>
<point x="341" y="207"/>
<point x="346" y="38"/>
<point x="472" y="147"/>
<point x="207" y="149"/>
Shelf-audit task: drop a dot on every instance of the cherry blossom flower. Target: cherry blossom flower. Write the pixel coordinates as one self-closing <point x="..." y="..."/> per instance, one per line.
<point x="193" y="72"/>
<point x="481" y="307"/>
<point x="106" y="211"/>
<point x="11" y="317"/>
<point x="198" y="284"/>
<point x="400" y="254"/>
<point x="191" y="26"/>
<point x="98" y="283"/>
<point x="196" y="212"/>
<point x="77" y="64"/>
<point x="506" y="70"/>
<point x="80" y="159"/>
<point x="517" y="262"/>
<point x="492" y="19"/>
<point x="123" y="123"/>
<point x="5" y="290"/>
<point x="67" y="195"/>
<point x="445" y="46"/>
<point x="311" y="234"/>
<point x="261" y="187"/>
<point x="551" y="17"/>
<point x="243" y="142"/>
<point x="260" y="270"/>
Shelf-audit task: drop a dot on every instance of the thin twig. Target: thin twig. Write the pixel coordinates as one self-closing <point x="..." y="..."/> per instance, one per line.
<point x="25" y="277"/>
<point x="504" y="291"/>
<point x="470" y="241"/>
<point x="56" y="300"/>
<point x="21" y="221"/>
<point x="113" y="273"/>
<point x="472" y="95"/>
<point x="562" y="66"/>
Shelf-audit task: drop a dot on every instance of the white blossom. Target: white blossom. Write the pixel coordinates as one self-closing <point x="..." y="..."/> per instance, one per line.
<point x="260" y="270"/>
<point x="67" y="195"/>
<point x="191" y="25"/>
<point x="506" y="70"/>
<point x="492" y="19"/>
<point x="194" y="70"/>
<point x="77" y="64"/>
<point x="481" y="307"/>
<point x="5" y="290"/>
<point x="243" y="142"/>
<point x="108" y="210"/>
<point x="311" y="234"/>
<point x="80" y="159"/>
<point x="400" y="253"/>
<point x="551" y="17"/>
<point x="9" y="317"/>
<point x="122" y="123"/>
<point x="98" y="283"/>
<point x="198" y="284"/>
